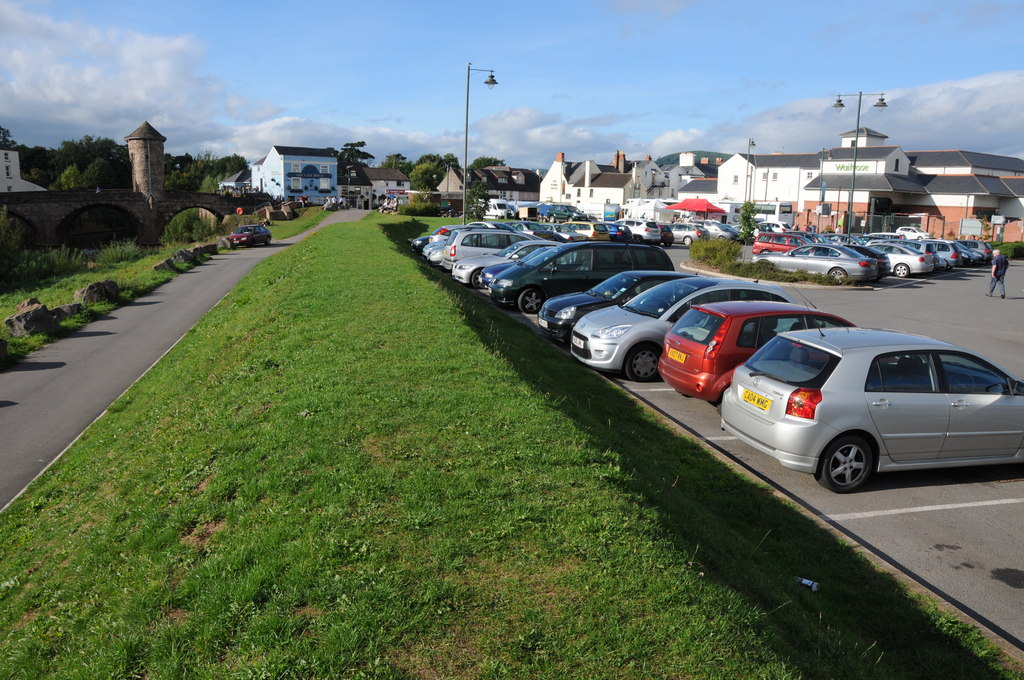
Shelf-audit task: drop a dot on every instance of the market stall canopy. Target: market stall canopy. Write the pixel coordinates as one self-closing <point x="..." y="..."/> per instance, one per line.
<point x="696" y="205"/>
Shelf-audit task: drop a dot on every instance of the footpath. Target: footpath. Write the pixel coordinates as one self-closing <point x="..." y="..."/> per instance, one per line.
<point x="51" y="397"/>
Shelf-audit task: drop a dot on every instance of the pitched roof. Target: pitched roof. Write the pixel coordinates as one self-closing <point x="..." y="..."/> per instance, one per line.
<point x="865" y="131"/>
<point x="781" y="160"/>
<point x="700" y="186"/>
<point x="611" y="180"/>
<point x="956" y="157"/>
<point x="304" y="151"/>
<point x="864" y="153"/>
<point x="965" y="184"/>
<point x="386" y="174"/>
<point x="904" y="184"/>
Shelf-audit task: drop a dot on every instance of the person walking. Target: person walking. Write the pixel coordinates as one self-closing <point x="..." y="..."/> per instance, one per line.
<point x="999" y="265"/>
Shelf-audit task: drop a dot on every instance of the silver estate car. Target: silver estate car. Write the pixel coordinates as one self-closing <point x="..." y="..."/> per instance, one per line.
<point x="469" y="271"/>
<point x="629" y="337"/>
<point x="836" y="261"/>
<point x="843" y="403"/>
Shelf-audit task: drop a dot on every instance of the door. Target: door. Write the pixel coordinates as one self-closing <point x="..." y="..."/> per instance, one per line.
<point x="985" y="420"/>
<point x="906" y="406"/>
<point x="570" y="272"/>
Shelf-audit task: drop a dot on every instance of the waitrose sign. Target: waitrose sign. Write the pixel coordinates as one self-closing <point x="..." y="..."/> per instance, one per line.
<point x="848" y="167"/>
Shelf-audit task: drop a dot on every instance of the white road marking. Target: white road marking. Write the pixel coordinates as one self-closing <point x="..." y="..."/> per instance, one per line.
<point x="654" y="389"/>
<point x="923" y="508"/>
<point x="727" y="438"/>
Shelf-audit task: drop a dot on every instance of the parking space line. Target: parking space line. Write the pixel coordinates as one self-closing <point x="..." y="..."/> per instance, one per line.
<point x="923" y="508"/>
<point x="725" y="438"/>
<point x="654" y="389"/>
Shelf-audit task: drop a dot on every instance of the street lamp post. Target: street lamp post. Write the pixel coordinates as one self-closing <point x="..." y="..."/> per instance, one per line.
<point x="490" y="83"/>
<point x="746" y="185"/>
<point x="839" y="106"/>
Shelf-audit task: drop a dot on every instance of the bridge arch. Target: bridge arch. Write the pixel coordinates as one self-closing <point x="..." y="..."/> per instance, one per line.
<point x="96" y="224"/>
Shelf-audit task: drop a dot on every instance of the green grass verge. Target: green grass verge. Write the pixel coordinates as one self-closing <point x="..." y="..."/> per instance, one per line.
<point x="352" y="467"/>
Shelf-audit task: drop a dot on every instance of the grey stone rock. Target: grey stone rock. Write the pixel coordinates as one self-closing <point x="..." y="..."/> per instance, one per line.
<point x="226" y="244"/>
<point x="28" y="304"/>
<point x="38" y="319"/>
<point x="184" y="256"/>
<point x="165" y="266"/>
<point x="67" y="311"/>
<point x="98" y="291"/>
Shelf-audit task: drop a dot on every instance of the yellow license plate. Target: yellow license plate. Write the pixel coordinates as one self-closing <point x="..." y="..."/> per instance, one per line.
<point x="763" y="403"/>
<point x="676" y="354"/>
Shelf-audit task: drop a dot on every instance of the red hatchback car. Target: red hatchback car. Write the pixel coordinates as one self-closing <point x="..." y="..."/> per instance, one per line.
<point x="779" y="243"/>
<point x="709" y="341"/>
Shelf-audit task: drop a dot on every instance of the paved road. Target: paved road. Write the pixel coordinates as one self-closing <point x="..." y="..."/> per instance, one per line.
<point x="954" y="532"/>
<point x="52" y="396"/>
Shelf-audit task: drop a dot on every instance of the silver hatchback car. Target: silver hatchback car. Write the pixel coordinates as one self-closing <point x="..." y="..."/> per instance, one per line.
<point x="629" y="337"/>
<point x="843" y="403"/>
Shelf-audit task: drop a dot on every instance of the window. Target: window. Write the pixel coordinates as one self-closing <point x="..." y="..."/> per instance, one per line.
<point x="612" y="259"/>
<point x="764" y="177"/>
<point x="896" y="164"/>
<point x="773" y="325"/>
<point x="576" y="260"/>
<point x="824" y="322"/>
<point x="809" y="174"/>
<point x="591" y="193"/>
<point x="295" y="167"/>
<point x="578" y="193"/>
<point x="296" y="183"/>
<point x="323" y="169"/>
<point x="968" y="375"/>
<point x="325" y="183"/>
<point x="735" y="179"/>
<point x="775" y="176"/>
<point x="902" y="372"/>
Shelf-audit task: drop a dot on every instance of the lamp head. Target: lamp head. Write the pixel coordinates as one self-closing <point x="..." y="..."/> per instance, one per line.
<point x="839" y="105"/>
<point x="880" y="104"/>
<point x="491" y="82"/>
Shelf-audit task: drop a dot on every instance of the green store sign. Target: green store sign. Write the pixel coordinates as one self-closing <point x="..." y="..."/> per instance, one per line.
<point x="848" y="167"/>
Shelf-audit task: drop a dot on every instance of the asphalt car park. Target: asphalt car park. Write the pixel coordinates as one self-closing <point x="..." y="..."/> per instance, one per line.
<point x="954" y="532"/>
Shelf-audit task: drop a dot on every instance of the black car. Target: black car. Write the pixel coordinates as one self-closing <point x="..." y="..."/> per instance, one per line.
<point x="559" y="314"/>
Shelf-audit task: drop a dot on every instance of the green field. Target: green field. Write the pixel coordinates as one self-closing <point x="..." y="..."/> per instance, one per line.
<point x="353" y="467"/>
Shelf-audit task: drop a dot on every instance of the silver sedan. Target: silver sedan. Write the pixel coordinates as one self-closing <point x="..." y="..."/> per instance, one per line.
<point x="833" y="260"/>
<point x="905" y="260"/>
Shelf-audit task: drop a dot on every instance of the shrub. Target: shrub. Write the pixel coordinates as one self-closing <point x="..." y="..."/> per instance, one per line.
<point x="420" y="210"/>
<point x="35" y="265"/>
<point x="119" y="251"/>
<point x="186" y="227"/>
<point x="1011" y="250"/>
<point x="716" y="252"/>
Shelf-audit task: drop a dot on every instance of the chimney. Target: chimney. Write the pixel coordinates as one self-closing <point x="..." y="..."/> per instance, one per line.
<point x="588" y="170"/>
<point x="648" y="157"/>
<point x="560" y="157"/>
<point x="620" y="161"/>
<point x="705" y="160"/>
<point x="718" y="161"/>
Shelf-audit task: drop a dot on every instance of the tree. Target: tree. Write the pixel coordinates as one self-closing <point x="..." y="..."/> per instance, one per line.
<point x="476" y="201"/>
<point x="69" y="180"/>
<point x="747" y="223"/>
<point x="486" y="162"/>
<point x="5" y="138"/>
<point x="352" y="154"/>
<point x="426" y="177"/>
<point x="83" y="152"/>
<point x="397" y="161"/>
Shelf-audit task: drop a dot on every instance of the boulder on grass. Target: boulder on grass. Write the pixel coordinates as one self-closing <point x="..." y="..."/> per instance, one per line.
<point x="28" y="304"/>
<point x="37" y="319"/>
<point x="67" y="311"/>
<point x="184" y="257"/>
<point x="98" y="291"/>
<point x="165" y="266"/>
<point x="226" y="243"/>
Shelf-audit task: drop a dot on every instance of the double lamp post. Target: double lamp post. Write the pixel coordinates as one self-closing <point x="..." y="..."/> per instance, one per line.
<point x="839" y="106"/>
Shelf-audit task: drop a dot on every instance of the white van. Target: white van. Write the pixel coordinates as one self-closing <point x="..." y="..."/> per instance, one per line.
<point x="499" y="209"/>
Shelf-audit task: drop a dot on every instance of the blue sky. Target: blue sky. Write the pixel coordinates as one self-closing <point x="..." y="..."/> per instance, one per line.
<point x="581" y="77"/>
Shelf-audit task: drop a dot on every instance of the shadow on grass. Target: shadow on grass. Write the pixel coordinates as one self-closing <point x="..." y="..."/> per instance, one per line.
<point x="862" y="622"/>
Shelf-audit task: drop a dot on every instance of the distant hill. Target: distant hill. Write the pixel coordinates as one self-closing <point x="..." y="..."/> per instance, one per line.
<point x="673" y="158"/>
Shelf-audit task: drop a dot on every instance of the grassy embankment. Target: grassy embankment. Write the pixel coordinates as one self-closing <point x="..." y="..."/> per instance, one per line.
<point x="134" y="278"/>
<point x="354" y="468"/>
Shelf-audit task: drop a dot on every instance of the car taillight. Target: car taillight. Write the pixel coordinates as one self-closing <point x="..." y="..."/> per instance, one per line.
<point x="921" y="259"/>
<point x="451" y="252"/>
<point x="803" y="403"/>
<point x="863" y="263"/>
<point x="716" y="342"/>
<point x="953" y="256"/>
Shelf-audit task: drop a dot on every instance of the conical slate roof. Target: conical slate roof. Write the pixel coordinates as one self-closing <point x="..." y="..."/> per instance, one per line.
<point x="146" y="131"/>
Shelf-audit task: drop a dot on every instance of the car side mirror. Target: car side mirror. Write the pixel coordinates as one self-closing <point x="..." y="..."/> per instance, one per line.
<point x="1017" y="388"/>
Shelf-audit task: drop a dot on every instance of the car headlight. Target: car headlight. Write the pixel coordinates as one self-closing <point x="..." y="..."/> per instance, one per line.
<point x="611" y="332"/>
<point x="503" y="283"/>
<point x="461" y="266"/>
<point x="567" y="313"/>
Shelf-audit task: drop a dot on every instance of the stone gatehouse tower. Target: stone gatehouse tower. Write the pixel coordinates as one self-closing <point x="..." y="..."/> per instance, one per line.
<point x="146" y="153"/>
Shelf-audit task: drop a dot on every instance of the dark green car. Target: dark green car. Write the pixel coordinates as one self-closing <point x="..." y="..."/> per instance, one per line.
<point x="571" y="268"/>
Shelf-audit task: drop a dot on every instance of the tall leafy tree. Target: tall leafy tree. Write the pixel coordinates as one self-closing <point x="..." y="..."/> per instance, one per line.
<point x="485" y="162"/>
<point x="352" y="154"/>
<point x="426" y="177"/>
<point x="5" y="138"/>
<point x="476" y="201"/>
<point x="397" y="161"/>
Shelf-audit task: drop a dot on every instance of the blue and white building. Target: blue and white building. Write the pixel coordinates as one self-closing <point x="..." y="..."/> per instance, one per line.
<point x="290" y="172"/>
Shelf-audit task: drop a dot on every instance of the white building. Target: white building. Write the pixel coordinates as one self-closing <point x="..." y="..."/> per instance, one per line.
<point x="10" y="173"/>
<point x="289" y="172"/>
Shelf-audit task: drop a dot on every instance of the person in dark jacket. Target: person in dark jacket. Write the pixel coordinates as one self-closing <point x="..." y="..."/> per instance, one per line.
<point x="999" y="265"/>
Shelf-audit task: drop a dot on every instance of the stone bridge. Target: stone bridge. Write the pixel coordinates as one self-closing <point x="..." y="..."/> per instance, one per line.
<point x="51" y="216"/>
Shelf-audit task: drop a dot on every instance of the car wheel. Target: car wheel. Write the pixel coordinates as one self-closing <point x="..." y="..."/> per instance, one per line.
<point x="837" y="273"/>
<point x="476" y="278"/>
<point x="530" y="301"/>
<point x="845" y="465"/>
<point x="637" y="238"/>
<point x="641" y="364"/>
<point x="901" y="270"/>
<point x="687" y="240"/>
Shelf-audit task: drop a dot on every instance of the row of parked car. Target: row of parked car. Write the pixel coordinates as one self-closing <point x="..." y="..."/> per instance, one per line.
<point x="799" y="384"/>
<point x="866" y="258"/>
